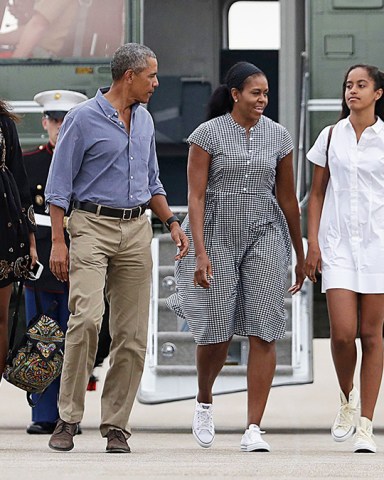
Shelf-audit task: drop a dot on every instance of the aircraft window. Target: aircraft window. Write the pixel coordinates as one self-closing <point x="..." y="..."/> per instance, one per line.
<point x="254" y="25"/>
<point x="61" y="28"/>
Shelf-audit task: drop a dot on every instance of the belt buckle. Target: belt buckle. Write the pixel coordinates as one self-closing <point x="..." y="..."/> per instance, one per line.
<point x="130" y="214"/>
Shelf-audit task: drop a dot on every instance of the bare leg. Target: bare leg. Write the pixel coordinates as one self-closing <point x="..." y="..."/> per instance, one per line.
<point x="343" y="317"/>
<point x="209" y="361"/>
<point x="5" y="296"/>
<point x="371" y="334"/>
<point x="260" y="372"/>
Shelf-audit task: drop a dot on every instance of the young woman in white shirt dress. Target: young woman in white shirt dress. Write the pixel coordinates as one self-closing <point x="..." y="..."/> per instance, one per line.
<point x="346" y="244"/>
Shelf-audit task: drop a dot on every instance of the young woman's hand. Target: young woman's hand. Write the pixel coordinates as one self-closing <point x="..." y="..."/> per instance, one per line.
<point x="313" y="262"/>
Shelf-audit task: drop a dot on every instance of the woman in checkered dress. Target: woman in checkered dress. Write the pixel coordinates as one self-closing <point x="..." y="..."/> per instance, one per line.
<point x="233" y="279"/>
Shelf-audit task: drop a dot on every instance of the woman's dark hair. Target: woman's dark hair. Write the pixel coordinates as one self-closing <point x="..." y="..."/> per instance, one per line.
<point x="5" y="109"/>
<point x="221" y="100"/>
<point x="378" y="78"/>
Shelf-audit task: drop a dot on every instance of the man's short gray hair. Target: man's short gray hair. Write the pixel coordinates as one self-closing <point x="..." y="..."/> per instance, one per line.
<point x="130" y="56"/>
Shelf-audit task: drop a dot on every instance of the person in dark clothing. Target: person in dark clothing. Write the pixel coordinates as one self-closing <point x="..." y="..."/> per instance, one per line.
<point x="17" y="221"/>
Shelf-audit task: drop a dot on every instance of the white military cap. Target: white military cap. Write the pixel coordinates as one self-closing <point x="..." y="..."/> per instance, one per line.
<point x="56" y="103"/>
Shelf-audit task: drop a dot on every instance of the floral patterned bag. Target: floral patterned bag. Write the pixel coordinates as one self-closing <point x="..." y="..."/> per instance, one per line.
<point x="37" y="360"/>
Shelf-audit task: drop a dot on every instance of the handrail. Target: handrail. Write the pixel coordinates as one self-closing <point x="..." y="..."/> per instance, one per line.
<point x="308" y="105"/>
<point x="324" y="105"/>
<point x="302" y="128"/>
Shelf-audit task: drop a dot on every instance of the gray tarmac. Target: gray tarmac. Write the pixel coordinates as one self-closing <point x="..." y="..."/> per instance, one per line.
<point x="297" y="422"/>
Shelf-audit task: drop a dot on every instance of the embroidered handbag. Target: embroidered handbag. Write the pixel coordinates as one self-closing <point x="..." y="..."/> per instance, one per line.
<point x="37" y="360"/>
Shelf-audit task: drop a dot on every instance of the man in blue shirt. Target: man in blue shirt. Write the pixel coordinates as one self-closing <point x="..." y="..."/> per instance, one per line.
<point x="56" y="104"/>
<point x="105" y="165"/>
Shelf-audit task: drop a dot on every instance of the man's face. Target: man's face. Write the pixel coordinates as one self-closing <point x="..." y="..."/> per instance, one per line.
<point x="52" y="127"/>
<point x="144" y="83"/>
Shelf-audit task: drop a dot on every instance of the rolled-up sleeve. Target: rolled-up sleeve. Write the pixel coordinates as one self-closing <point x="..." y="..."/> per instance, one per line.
<point x="66" y="163"/>
<point x="154" y="184"/>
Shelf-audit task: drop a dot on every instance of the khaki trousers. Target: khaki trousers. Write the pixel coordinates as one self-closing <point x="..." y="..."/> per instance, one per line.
<point x="115" y="254"/>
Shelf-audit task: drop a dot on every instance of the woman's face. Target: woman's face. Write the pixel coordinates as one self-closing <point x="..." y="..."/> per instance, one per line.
<point x="253" y="99"/>
<point x="360" y="93"/>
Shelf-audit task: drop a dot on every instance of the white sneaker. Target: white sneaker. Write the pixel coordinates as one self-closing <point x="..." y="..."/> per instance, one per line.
<point x="364" y="442"/>
<point x="202" y="428"/>
<point x="344" y="425"/>
<point x="252" y="441"/>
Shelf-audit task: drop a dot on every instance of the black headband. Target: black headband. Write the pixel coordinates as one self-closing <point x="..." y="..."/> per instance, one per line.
<point x="239" y="72"/>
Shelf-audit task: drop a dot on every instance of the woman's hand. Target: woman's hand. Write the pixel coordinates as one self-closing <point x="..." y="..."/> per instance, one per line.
<point x="300" y="277"/>
<point x="313" y="262"/>
<point x="203" y="271"/>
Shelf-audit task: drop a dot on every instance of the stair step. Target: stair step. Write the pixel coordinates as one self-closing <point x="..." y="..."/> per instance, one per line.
<point x="179" y="348"/>
<point x="186" y="370"/>
<point x="166" y="317"/>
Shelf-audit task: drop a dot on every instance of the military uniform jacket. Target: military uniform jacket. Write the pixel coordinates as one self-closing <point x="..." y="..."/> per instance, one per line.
<point x="37" y="163"/>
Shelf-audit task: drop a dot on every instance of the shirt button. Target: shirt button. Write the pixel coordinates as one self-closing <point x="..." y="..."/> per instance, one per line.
<point x="248" y="162"/>
<point x="131" y="177"/>
<point x="246" y="175"/>
<point x="131" y="196"/>
<point x="244" y="189"/>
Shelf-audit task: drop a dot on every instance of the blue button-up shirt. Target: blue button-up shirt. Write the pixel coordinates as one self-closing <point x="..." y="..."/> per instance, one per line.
<point x="97" y="160"/>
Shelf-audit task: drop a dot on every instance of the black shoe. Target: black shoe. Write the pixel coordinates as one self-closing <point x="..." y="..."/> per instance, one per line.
<point x="41" y="428"/>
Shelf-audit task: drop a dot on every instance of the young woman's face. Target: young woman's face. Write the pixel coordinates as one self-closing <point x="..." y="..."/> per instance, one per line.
<point x="360" y="93"/>
<point x="253" y="99"/>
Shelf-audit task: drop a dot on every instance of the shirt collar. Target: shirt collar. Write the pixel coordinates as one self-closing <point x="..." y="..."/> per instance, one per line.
<point x="107" y="108"/>
<point x="235" y="124"/>
<point x="376" y="127"/>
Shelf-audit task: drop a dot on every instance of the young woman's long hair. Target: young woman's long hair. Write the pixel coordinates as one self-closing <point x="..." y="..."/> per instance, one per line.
<point x="5" y="109"/>
<point x="378" y="78"/>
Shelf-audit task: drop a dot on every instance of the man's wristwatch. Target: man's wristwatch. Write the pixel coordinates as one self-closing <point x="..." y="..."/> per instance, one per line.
<point x="171" y="220"/>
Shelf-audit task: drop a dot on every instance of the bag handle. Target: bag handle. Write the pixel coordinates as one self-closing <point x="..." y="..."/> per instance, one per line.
<point x="15" y="316"/>
<point x="328" y="144"/>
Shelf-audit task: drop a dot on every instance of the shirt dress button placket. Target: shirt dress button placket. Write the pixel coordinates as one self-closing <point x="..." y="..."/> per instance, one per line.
<point x="354" y="207"/>
<point x="250" y="151"/>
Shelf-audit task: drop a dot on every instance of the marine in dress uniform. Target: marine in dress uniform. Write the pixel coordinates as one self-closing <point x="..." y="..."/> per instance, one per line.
<point x="56" y="104"/>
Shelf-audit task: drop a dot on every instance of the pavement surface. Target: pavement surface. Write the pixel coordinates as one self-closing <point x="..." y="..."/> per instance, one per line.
<point x="297" y="422"/>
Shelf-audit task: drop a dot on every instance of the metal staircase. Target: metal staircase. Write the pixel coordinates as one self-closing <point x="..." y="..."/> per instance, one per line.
<point x="170" y="372"/>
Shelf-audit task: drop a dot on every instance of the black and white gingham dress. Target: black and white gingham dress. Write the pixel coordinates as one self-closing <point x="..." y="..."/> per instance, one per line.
<point x="246" y="236"/>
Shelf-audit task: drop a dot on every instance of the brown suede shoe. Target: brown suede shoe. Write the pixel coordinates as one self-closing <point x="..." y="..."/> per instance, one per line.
<point x="62" y="437"/>
<point x="117" y="443"/>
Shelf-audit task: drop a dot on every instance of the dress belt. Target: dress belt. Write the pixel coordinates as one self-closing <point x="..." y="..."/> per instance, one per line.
<point x="123" y="213"/>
